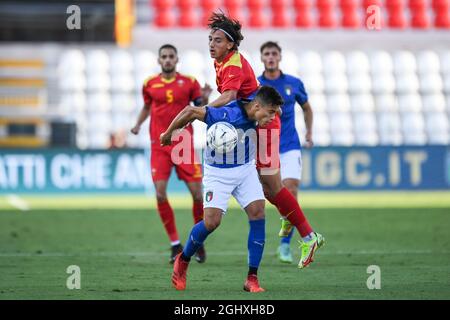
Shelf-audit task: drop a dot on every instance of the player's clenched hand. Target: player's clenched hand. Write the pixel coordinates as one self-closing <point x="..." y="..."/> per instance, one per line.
<point x="165" y="139"/>
<point x="308" y="139"/>
<point x="206" y="91"/>
<point x="135" y="130"/>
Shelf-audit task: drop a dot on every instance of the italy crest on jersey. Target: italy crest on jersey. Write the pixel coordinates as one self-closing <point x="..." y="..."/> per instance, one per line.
<point x="288" y="90"/>
<point x="208" y="196"/>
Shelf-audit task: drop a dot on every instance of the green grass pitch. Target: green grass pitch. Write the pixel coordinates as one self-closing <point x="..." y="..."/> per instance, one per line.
<point x="122" y="250"/>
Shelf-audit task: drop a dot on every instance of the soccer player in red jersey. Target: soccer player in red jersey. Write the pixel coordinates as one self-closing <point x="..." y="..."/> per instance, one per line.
<point x="236" y="79"/>
<point x="165" y="96"/>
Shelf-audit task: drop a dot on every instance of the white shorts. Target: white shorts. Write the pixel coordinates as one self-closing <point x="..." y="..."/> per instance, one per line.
<point x="291" y="165"/>
<point x="220" y="183"/>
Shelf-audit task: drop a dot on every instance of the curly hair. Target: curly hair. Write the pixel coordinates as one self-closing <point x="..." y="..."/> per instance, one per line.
<point x="232" y="28"/>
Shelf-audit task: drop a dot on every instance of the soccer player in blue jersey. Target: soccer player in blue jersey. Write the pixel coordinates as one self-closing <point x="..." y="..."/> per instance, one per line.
<point x="233" y="173"/>
<point x="293" y="91"/>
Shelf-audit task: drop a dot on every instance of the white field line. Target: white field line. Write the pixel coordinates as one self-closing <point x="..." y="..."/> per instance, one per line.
<point x="17" y="202"/>
<point x="225" y="253"/>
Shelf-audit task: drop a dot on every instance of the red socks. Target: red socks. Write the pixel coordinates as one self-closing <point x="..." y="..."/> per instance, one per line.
<point x="168" y="219"/>
<point x="197" y="211"/>
<point x="288" y="207"/>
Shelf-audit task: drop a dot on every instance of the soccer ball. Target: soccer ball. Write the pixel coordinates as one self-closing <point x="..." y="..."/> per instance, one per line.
<point x="222" y="137"/>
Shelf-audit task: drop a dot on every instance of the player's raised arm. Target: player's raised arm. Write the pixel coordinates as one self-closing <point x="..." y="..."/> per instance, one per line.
<point x="184" y="117"/>
<point x="224" y="98"/>
<point x="143" y="115"/>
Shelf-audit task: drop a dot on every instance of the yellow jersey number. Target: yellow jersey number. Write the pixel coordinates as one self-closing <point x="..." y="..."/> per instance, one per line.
<point x="169" y="96"/>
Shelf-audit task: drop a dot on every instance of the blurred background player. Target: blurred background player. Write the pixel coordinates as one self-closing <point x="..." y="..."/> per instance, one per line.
<point x="165" y="95"/>
<point x="235" y="78"/>
<point x="292" y="90"/>
<point x="233" y="173"/>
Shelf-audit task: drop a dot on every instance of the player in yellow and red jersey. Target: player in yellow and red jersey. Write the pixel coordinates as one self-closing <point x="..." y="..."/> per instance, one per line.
<point x="236" y="80"/>
<point x="165" y="96"/>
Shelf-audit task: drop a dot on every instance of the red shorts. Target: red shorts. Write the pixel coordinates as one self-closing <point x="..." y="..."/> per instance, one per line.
<point x="268" y="148"/>
<point x="162" y="163"/>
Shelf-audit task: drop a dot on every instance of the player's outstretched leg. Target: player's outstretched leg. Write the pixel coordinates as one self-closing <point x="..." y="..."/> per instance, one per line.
<point x="255" y="244"/>
<point x="197" y="212"/>
<point x="289" y="209"/>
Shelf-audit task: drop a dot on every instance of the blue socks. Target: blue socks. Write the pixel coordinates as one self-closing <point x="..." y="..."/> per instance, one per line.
<point x="198" y="235"/>
<point x="256" y="241"/>
<point x="288" y="238"/>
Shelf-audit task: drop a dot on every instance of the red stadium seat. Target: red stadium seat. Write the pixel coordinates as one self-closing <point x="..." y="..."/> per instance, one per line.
<point x="255" y="5"/>
<point x="441" y="14"/>
<point x="164" y="18"/>
<point x="232" y="4"/>
<point x="349" y="10"/>
<point x="280" y="18"/>
<point x="303" y="17"/>
<point x="326" y="10"/>
<point x="277" y="4"/>
<point x="396" y="12"/>
<point x="209" y="4"/>
<point x="163" y="4"/>
<point x="419" y="18"/>
<point x="187" y="18"/>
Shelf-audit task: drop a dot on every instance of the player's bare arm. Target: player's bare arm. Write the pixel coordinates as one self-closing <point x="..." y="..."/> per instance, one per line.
<point x="308" y="117"/>
<point x="143" y="115"/>
<point x="187" y="115"/>
<point x="224" y="98"/>
<point x="206" y="92"/>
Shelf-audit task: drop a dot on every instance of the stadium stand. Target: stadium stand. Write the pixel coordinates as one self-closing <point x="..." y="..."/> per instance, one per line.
<point x="380" y="93"/>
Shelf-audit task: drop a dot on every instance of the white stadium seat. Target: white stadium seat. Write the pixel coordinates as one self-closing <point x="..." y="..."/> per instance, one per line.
<point x="124" y="102"/>
<point x="381" y="63"/>
<point x="437" y="128"/>
<point x="359" y="83"/>
<point x="97" y="60"/>
<point x="431" y="83"/>
<point x="341" y="129"/>
<point x="99" y="102"/>
<point x="191" y="62"/>
<point x="433" y="103"/>
<point x="362" y="103"/>
<point x="309" y="62"/>
<point x="321" y="123"/>
<point x="357" y="63"/>
<point x="146" y="62"/>
<point x="336" y="83"/>
<point x="122" y="82"/>
<point x="386" y="102"/>
<point x="318" y="102"/>
<point x="410" y="103"/>
<point x="333" y="62"/>
<point x="428" y="62"/>
<point x="314" y="83"/>
<point x="71" y="62"/>
<point x="257" y="66"/>
<point x="413" y="129"/>
<point x="99" y="122"/>
<point x="289" y="62"/>
<point x="383" y="83"/>
<point x="447" y="83"/>
<point x="98" y="82"/>
<point x="338" y="103"/>
<point x="322" y="139"/>
<point x="121" y="62"/>
<point x="445" y="62"/>
<point x="365" y="128"/>
<point x="73" y="102"/>
<point x="76" y="82"/>
<point x="98" y="140"/>
<point x="407" y="83"/>
<point x="389" y="129"/>
<point x="123" y="121"/>
<point x="404" y="62"/>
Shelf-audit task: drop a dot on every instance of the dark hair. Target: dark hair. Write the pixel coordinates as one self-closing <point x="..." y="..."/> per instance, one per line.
<point x="270" y="44"/>
<point x="269" y="96"/>
<point x="219" y="20"/>
<point x="167" y="46"/>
